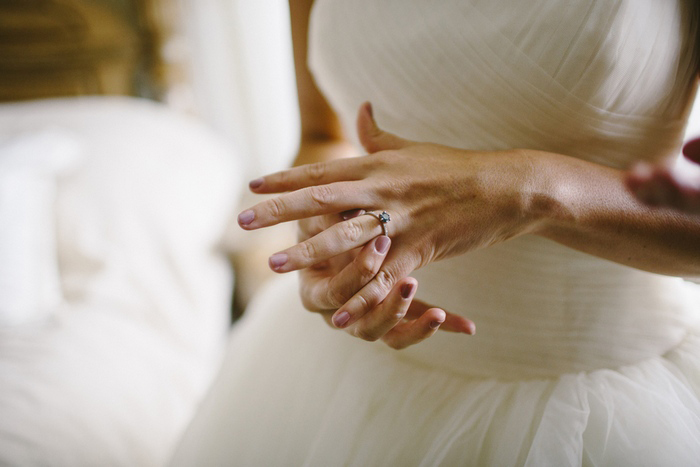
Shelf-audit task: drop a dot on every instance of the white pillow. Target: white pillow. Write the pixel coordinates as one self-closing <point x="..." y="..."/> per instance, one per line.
<point x="29" y="281"/>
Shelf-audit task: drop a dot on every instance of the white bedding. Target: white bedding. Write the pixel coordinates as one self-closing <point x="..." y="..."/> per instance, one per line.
<point x="113" y="371"/>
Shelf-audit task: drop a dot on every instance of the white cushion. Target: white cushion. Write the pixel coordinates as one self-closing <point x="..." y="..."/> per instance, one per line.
<point x="29" y="280"/>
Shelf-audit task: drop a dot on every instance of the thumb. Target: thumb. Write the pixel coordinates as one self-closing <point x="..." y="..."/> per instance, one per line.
<point x="373" y="138"/>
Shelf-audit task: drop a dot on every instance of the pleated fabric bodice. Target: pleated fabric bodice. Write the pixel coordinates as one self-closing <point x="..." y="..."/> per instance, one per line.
<point x="608" y="81"/>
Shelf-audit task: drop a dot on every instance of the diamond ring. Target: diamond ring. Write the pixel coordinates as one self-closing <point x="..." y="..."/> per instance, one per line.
<point x="383" y="219"/>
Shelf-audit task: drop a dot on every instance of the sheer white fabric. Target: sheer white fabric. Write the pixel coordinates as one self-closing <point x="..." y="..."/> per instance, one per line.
<point x="577" y="360"/>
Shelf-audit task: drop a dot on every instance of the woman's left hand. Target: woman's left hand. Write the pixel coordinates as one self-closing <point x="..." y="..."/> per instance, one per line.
<point x="442" y="202"/>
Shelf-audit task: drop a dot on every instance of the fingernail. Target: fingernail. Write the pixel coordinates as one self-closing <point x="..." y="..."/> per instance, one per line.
<point x="471" y="329"/>
<point x="278" y="260"/>
<point x="435" y="324"/>
<point x="382" y="244"/>
<point x="406" y="290"/>
<point x="352" y="214"/>
<point x="246" y="217"/>
<point x="256" y="183"/>
<point x="341" y="319"/>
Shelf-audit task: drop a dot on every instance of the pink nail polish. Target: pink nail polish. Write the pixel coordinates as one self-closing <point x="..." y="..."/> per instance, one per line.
<point x="256" y="183"/>
<point x="278" y="260"/>
<point x="246" y="217"/>
<point x="352" y="214"/>
<point x="382" y="244"/>
<point x="340" y="320"/>
<point x="406" y="290"/>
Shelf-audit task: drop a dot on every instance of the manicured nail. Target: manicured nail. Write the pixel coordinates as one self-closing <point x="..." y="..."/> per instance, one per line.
<point x="471" y="329"/>
<point x="340" y="320"/>
<point x="382" y="244"/>
<point x="278" y="260"/>
<point x="435" y="324"/>
<point x="256" y="183"/>
<point x="406" y="290"/>
<point x="352" y="214"/>
<point x="246" y="217"/>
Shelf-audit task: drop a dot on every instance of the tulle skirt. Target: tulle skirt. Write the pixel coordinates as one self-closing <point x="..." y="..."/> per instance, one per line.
<point x="295" y="392"/>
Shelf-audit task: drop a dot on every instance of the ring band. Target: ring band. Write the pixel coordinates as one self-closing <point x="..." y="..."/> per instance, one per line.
<point x="383" y="219"/>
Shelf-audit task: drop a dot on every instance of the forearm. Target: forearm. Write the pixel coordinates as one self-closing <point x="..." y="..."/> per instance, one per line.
<point x="321" y="135"/>
<point x="587" y="207"/>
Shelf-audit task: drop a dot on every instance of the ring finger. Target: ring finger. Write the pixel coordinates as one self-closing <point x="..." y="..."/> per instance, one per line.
<point x="339" y="238"/>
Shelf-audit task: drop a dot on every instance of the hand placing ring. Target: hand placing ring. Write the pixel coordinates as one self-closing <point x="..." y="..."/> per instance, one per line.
<point x="416" y="182"/>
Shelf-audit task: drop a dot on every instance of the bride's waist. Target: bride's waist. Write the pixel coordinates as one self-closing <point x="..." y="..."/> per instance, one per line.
<point x="553" y="312"/>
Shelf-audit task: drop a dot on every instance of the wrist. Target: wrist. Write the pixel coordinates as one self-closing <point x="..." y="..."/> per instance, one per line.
<point x="542" y="196"/>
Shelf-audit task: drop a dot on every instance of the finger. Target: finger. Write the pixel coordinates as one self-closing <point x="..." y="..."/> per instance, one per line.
<point x="452" y="322"/>
<point x="311" y="226"/>
<point x="339" y="238"/>
<point x="357" y="274"/>
<point x="373" y="138"/>
<point x="691" y="150"/>
<point x="306" y="202"/>
<point x="414" y="331"/>
<point x="388" y="314"/>
<point x="330" y="293"/>
<point x="320" y="173"/>
<point x="351" y="214"/>
<point x="397" y="265"/>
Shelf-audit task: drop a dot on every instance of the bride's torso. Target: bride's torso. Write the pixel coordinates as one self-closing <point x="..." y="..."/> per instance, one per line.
<point x="606" y="81"/>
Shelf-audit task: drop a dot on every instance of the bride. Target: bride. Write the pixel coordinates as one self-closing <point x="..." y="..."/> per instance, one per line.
<point x="491" y="193"/>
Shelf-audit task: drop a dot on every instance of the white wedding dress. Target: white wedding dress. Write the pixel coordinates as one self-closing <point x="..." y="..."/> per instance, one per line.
<point x="577" y="360"/>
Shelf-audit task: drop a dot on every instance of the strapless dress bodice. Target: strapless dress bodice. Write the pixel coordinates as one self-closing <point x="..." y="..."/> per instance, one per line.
<point x="542" y="309"/>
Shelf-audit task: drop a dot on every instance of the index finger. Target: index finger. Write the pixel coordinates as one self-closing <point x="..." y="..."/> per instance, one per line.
<point x="319" y="173"/>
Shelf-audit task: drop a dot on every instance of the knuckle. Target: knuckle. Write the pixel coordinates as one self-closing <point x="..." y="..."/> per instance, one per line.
<point x="276" y="208"/>
<point x="396" y="344"/>
<point x="365" y="267"/>
<point x="386" y="279"/>
<point x="307" y="250"/>
<point x="350" y="231"/>
<point x="283" y="178"/>
<point x="364" y="303"/>
<point x="398" y="315"/>
<point x="322" y="195"/>
<point x="336" y="298"/>
<point x="316" y="171"/>
<point x="365" y="334"/>
<point x="308" y="303"/>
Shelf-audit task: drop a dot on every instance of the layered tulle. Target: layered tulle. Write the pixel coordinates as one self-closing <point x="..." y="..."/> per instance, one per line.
<point x="307" y="395"/>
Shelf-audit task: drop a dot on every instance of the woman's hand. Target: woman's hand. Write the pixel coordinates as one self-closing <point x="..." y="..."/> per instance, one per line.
<point x="661" y="185"/>
<point x="399" y="320"/>
<point x="443" y="201"/>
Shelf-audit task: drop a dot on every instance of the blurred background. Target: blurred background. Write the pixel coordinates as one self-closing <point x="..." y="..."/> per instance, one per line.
<point x="226" y="62"/>
<point x="128" y="132"/>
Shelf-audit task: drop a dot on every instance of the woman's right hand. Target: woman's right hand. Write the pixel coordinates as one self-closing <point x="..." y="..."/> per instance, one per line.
<point x="662" y="185"/>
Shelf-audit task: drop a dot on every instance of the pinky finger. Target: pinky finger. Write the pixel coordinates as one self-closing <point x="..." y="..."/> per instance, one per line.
<point x="414" y="331"/>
